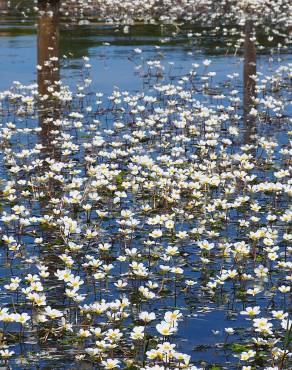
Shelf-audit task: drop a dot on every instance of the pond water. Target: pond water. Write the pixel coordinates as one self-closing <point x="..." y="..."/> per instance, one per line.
<point x="114" y="64"/>
<point x="151" y="180"/>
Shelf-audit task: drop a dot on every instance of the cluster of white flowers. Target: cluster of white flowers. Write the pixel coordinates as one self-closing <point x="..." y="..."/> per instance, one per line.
<point x="125" y="217"/>
<point x="172" y="11"/>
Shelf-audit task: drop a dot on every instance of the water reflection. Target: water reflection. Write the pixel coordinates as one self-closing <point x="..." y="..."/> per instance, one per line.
<point x="48" y="87"/>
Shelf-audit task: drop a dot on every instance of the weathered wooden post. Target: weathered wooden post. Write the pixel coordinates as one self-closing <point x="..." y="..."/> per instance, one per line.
<point x="48" y="35"/>
<point x="4" y="5"/>
<point x="249" y="70"/>
<point x="249" y="83"/>
<point x="48" y="40"/>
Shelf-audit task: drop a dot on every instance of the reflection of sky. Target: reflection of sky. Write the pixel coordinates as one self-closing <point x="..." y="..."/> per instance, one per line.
<point x="17" y="60"/>
<point x="110" y="64"/>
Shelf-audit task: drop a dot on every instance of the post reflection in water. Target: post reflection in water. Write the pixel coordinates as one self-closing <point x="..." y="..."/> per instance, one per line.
<point x="249" y="83"/>
<point x="48" y="68"/>
<point x="48" y="108"/>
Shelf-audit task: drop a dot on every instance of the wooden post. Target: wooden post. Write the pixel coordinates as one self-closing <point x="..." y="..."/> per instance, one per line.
<point x="249" y="69"/>
<point x="48" y="40"/>
<point x="3" y="5"/>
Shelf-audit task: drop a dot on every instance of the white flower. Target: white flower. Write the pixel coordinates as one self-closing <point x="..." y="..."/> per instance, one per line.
<point x="284" y="289"/>
<point x="21" y="318"/>
<point x="229" y="331"/>
<point x="137" y="51"/>
<point x="262" y="325"/>
<point x="286" y="324"/>
<point x="244" y="356"/>
<point x="206" y="62"/>
<point x="172" y="316"/>
<point x="5" y="353"/>
<point x="147" y="316"/>
<point x="53" y="313"/>
<point x="137" y="333"/>
<point x="165" y="328"/>
<point x="110" y="364"/>
<point x="251" y="311"/>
